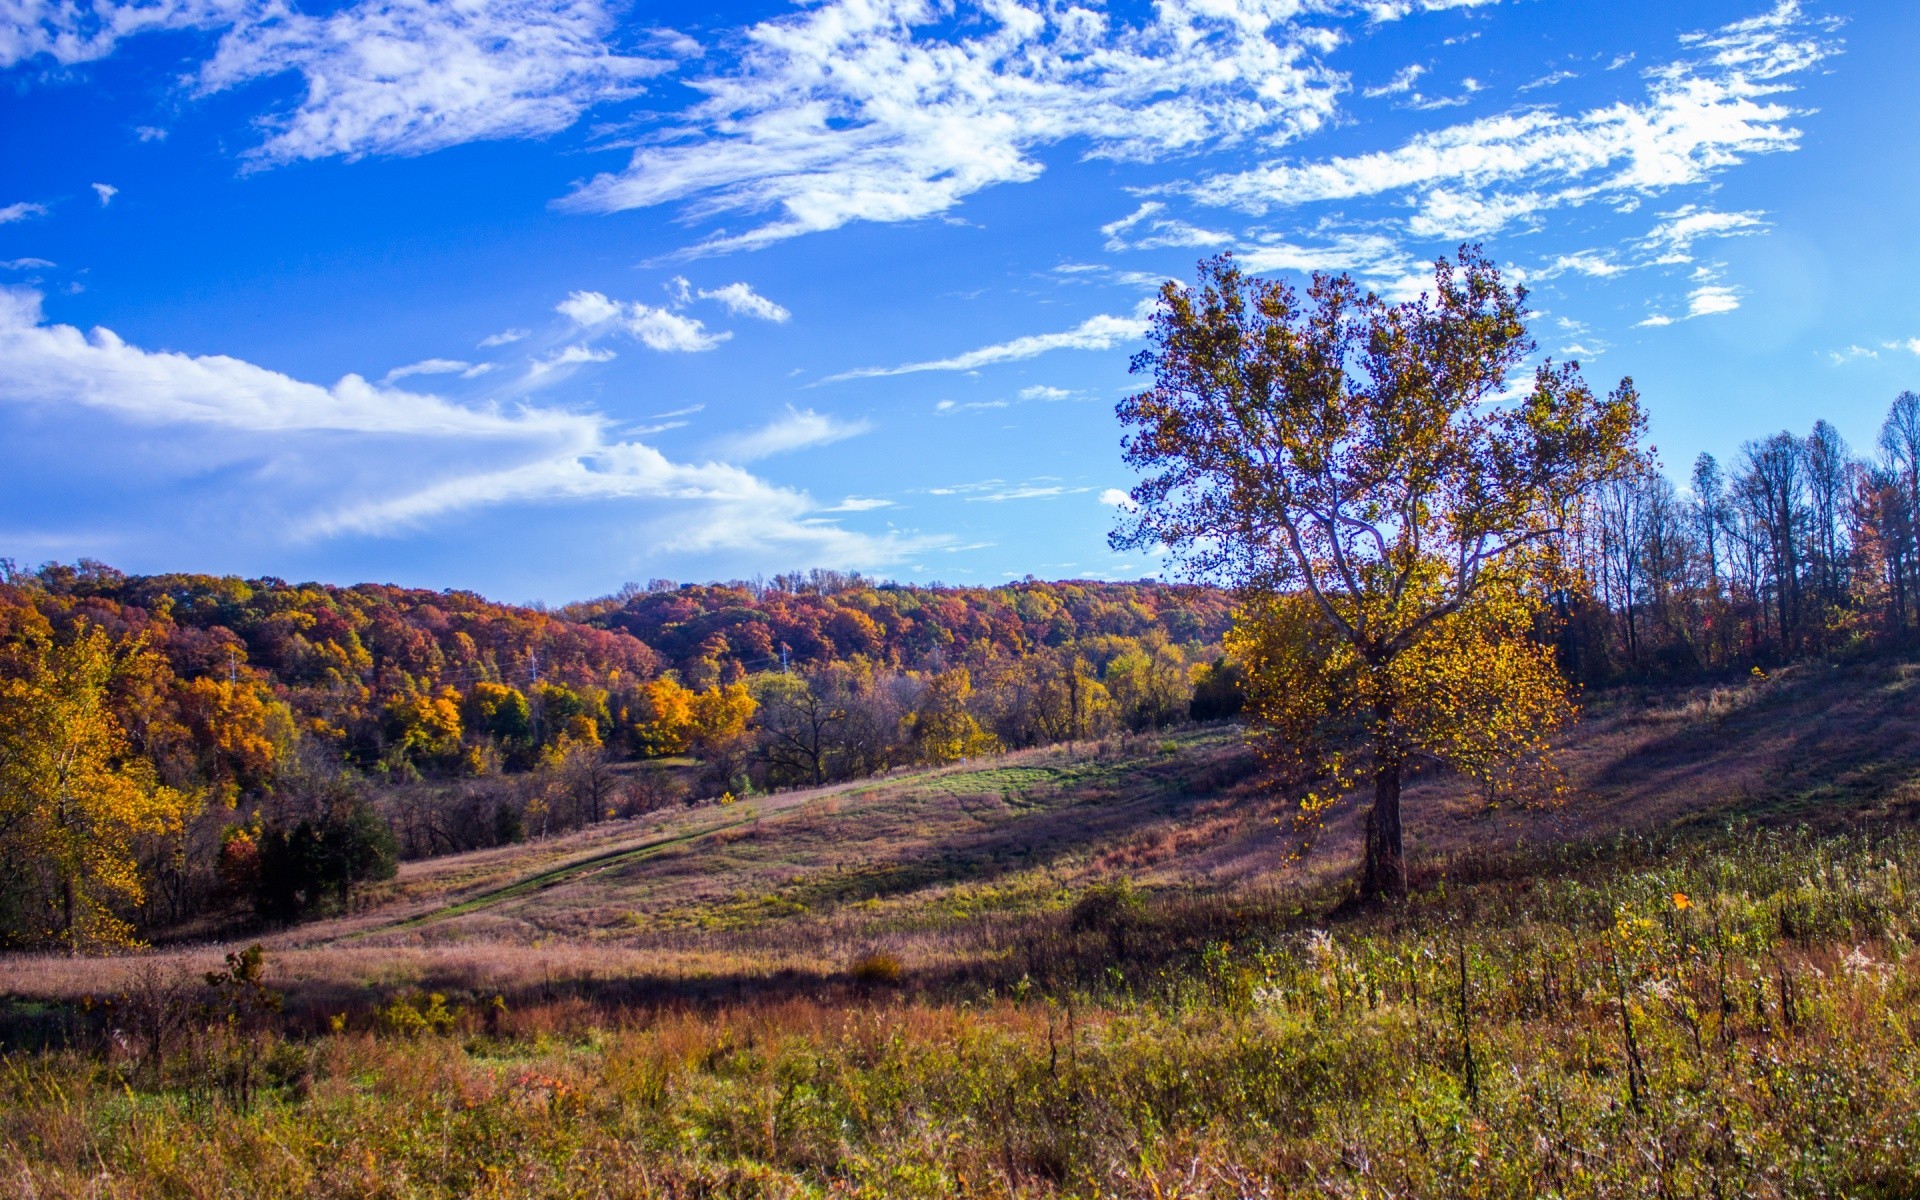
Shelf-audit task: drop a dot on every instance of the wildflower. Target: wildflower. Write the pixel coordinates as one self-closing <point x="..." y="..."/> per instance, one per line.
<point x="1680" y="902"/>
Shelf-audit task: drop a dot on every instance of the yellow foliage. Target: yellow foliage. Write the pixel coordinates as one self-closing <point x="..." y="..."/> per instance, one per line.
<point x="721" y="713"/>
<point x="73" y="797"/>
<point x="943" y="730"/>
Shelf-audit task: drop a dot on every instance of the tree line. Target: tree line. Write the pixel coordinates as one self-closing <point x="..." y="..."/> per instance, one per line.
<point x="1800" y="546"/>
<point x="178" y="749"/>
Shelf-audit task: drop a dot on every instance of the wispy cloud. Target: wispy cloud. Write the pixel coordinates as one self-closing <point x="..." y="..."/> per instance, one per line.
<point x="410" y="76"/>
<point x="438" y="366"/>
<point x="21" y="211"/>
<point x="1095" y="333"/>
<point x="576" y="355"/>
<point x="506" y="337"/>
<point x="888" y="110"/>
<point x="1401" y="83"/>
<point x="797" y="430"/>
<point x="1714" y="108"/>
<point x="381" y="76"/>
<point x="106" y="192"/>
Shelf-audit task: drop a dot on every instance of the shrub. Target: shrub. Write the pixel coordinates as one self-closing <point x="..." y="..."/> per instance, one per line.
<point x="878" y="966"/>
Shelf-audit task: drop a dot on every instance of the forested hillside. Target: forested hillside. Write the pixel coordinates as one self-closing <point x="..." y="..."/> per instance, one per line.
<point x="254" y="744"/>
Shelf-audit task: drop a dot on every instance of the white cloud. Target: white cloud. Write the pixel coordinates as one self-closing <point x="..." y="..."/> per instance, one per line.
<point x="58" y="364"/>
<point x="1655" y="321"/>
<point x="1027" y="491"/>
<point x="1584" y="262"/>
<point x="1043" y="392"/>
<point x="1552" y="79"/>
<point x="21" y="212"/>
<point x="1701" y="115"/>
<point x="505" y="337"/>
<point x="1095" y="333"/>
<point x="1401" y="83"/>
<point x="743" y="301"/>
<point x="892" y="110"/>
<point x="1850" y="353"/>
<point x="797" y="430"/>
<point x="381" y="76"/>
<point x="1910" y="345"/>
<point x="25" y="264"/>
<point x="410" y="76"/>
<point x="1712" y="299"/>
<point x="77" y="31"/>
<point x="1116" y="498"/>
<point x="1394" y="10"/>
<point x="569" y="356"/>
<point x="588" y="308"/>
<point x="410" y="459"/>
<point x="657" y="328"/>
<point x="1674" y="236"/>
<point x="860" y="504"/>
<point x="438" y="366"/>
<point x="106" y="192"/>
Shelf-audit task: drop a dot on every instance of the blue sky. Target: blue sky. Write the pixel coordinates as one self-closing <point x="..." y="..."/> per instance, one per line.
<point x="539" y="296"/>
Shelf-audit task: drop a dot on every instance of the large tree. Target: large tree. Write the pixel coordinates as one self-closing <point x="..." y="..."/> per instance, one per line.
<point x="1389" y="508"/>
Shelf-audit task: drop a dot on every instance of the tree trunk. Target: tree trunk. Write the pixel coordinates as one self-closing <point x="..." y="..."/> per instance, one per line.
<point x="1383" y="873"/>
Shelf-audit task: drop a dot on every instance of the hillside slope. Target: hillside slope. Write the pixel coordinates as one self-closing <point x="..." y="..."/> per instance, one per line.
<point x="951" y="870"/>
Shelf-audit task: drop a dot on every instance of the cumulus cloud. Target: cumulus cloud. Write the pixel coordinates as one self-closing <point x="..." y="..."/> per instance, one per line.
<point x="1095" y="333"/>
<point x="891" y="110"/>
<point x="657" y="328"/>
<point x="457" y="458"/>
<point x="797" y="430"/>
<point x="743" y="301"/>
<point x="106" y="192"/>
<point x="1116" y="498"/>
<point x="1910" y="345"/>
<point x="1718" y="106"/>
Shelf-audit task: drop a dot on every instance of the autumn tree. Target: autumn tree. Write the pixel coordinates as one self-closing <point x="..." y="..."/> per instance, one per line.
<point x="74" y="798"/>
<point x="1391" y="513"/>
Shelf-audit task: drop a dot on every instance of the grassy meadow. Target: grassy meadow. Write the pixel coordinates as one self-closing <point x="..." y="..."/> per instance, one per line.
<point x="1107" y="970"/>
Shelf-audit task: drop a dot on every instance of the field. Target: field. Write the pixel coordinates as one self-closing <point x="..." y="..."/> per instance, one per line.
<point x="1104" y="970"/>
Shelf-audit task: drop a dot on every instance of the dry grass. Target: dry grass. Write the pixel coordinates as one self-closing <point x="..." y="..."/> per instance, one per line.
<point x="1081" y="974"/>
<point x="950" y="870"/>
